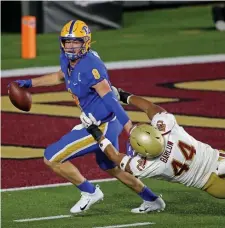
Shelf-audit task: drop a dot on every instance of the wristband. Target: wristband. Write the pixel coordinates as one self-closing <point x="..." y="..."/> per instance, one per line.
<point x="104" y="143"/>
<point x="124" y="162"/>
<point x="128" y="99"/>
<point x="95" y="132"/>
<point x="124" y="96"/>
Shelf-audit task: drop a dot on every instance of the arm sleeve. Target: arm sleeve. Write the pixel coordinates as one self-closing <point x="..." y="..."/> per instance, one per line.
<point x="98" y="73"/>
<point x="112" y="104"/>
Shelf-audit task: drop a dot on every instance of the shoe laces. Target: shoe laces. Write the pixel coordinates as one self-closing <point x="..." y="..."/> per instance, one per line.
<point x="84" y="196"/>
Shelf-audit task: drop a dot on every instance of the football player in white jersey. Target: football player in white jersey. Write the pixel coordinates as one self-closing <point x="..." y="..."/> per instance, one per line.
<point x="164" y="150"/>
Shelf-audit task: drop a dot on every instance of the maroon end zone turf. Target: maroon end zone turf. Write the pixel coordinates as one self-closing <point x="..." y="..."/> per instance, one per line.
<point x="41" y="130"/>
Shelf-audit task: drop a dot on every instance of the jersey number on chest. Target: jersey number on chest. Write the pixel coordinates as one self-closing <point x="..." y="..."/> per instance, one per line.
<point x="188" y="152"/>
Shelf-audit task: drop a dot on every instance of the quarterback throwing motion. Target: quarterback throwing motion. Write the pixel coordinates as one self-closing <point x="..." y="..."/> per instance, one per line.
<point x="86" y="79"/>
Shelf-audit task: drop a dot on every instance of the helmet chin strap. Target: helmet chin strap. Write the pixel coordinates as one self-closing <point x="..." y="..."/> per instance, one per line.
<point x="71" y="56"/>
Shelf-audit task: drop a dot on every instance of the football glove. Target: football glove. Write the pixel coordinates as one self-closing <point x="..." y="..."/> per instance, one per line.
<point x="24" y="83"/>
<point x="91" y="124"/>
<point x="88" y="120"/>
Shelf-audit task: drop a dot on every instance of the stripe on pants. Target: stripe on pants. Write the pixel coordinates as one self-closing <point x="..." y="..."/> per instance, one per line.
<point x="77" y="146"/>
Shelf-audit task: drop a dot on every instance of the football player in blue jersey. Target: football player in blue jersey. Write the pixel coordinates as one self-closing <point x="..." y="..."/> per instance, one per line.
<point x="86" y="78"/>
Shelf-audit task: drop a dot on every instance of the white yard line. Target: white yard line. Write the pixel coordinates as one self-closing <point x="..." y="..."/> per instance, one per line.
<point x="42" y="218"/>
<point x="123" y="64"/>
<point x="127" y="225"/>
<point x="68" y="216"/>
<point x="53" y="185"/>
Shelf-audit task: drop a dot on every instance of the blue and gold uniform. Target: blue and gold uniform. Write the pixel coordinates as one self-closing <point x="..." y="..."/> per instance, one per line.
<point x="79" y="81"/>
<point x="87" y="80"/>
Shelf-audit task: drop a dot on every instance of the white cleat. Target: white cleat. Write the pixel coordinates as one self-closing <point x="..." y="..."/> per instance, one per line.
<point x="86" y="200"/>
<point x="148" y="206"/>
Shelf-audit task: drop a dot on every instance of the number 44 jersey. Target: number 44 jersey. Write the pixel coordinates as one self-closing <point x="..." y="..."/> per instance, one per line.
<point x="184" y="160"/>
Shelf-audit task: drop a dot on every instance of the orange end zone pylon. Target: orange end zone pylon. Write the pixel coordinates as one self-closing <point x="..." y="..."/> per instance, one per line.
<point x="28" y="37"/>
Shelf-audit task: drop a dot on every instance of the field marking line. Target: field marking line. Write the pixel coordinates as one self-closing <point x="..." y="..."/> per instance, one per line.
<point x="131" y="64"/>
<point x="68" y="216"/>
<point x="42" y="218"/>
<point x="127" y="225"/>
<point x="53" y="185"/>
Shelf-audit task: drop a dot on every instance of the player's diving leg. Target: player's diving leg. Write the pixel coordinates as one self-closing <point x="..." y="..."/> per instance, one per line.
<point x="74" y="144"/>
<point x="151" y="201"/>
<point x="215" y="186"/>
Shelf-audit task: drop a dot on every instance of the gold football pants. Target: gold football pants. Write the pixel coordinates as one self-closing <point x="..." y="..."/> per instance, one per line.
<point x="215" y="186"/>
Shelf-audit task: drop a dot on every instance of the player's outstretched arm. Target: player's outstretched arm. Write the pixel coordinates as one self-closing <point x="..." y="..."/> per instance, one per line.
<point x="146" y="106"/>
<point x="90" y="123"/>
<point x="45" y="80"/>
<point x="114" y="155"/>
<point x="110" y="151"/>
<point x="48" y="79"/>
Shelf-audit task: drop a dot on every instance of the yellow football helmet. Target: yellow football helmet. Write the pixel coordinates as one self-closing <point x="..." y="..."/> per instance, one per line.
<point x="147" y="141"/>
<point x="76" y="30"/>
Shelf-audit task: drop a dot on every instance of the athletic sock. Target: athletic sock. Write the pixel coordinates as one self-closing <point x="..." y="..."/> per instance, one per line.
<point x="86" y="186"/>
<point x="147" y="195"/>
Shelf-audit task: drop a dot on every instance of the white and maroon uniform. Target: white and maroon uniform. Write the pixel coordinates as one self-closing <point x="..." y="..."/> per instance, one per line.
<point x="184" y="160"/>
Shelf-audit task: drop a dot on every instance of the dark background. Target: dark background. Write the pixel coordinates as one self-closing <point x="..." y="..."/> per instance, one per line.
<point x="48" y="13"/>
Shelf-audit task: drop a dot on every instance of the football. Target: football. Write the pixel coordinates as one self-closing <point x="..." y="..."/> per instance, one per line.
<point x="20" y="97"/>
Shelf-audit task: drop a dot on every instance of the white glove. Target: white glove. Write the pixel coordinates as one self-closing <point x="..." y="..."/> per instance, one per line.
<point x="88" y="120"/>
<point x="115" y="91"/>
